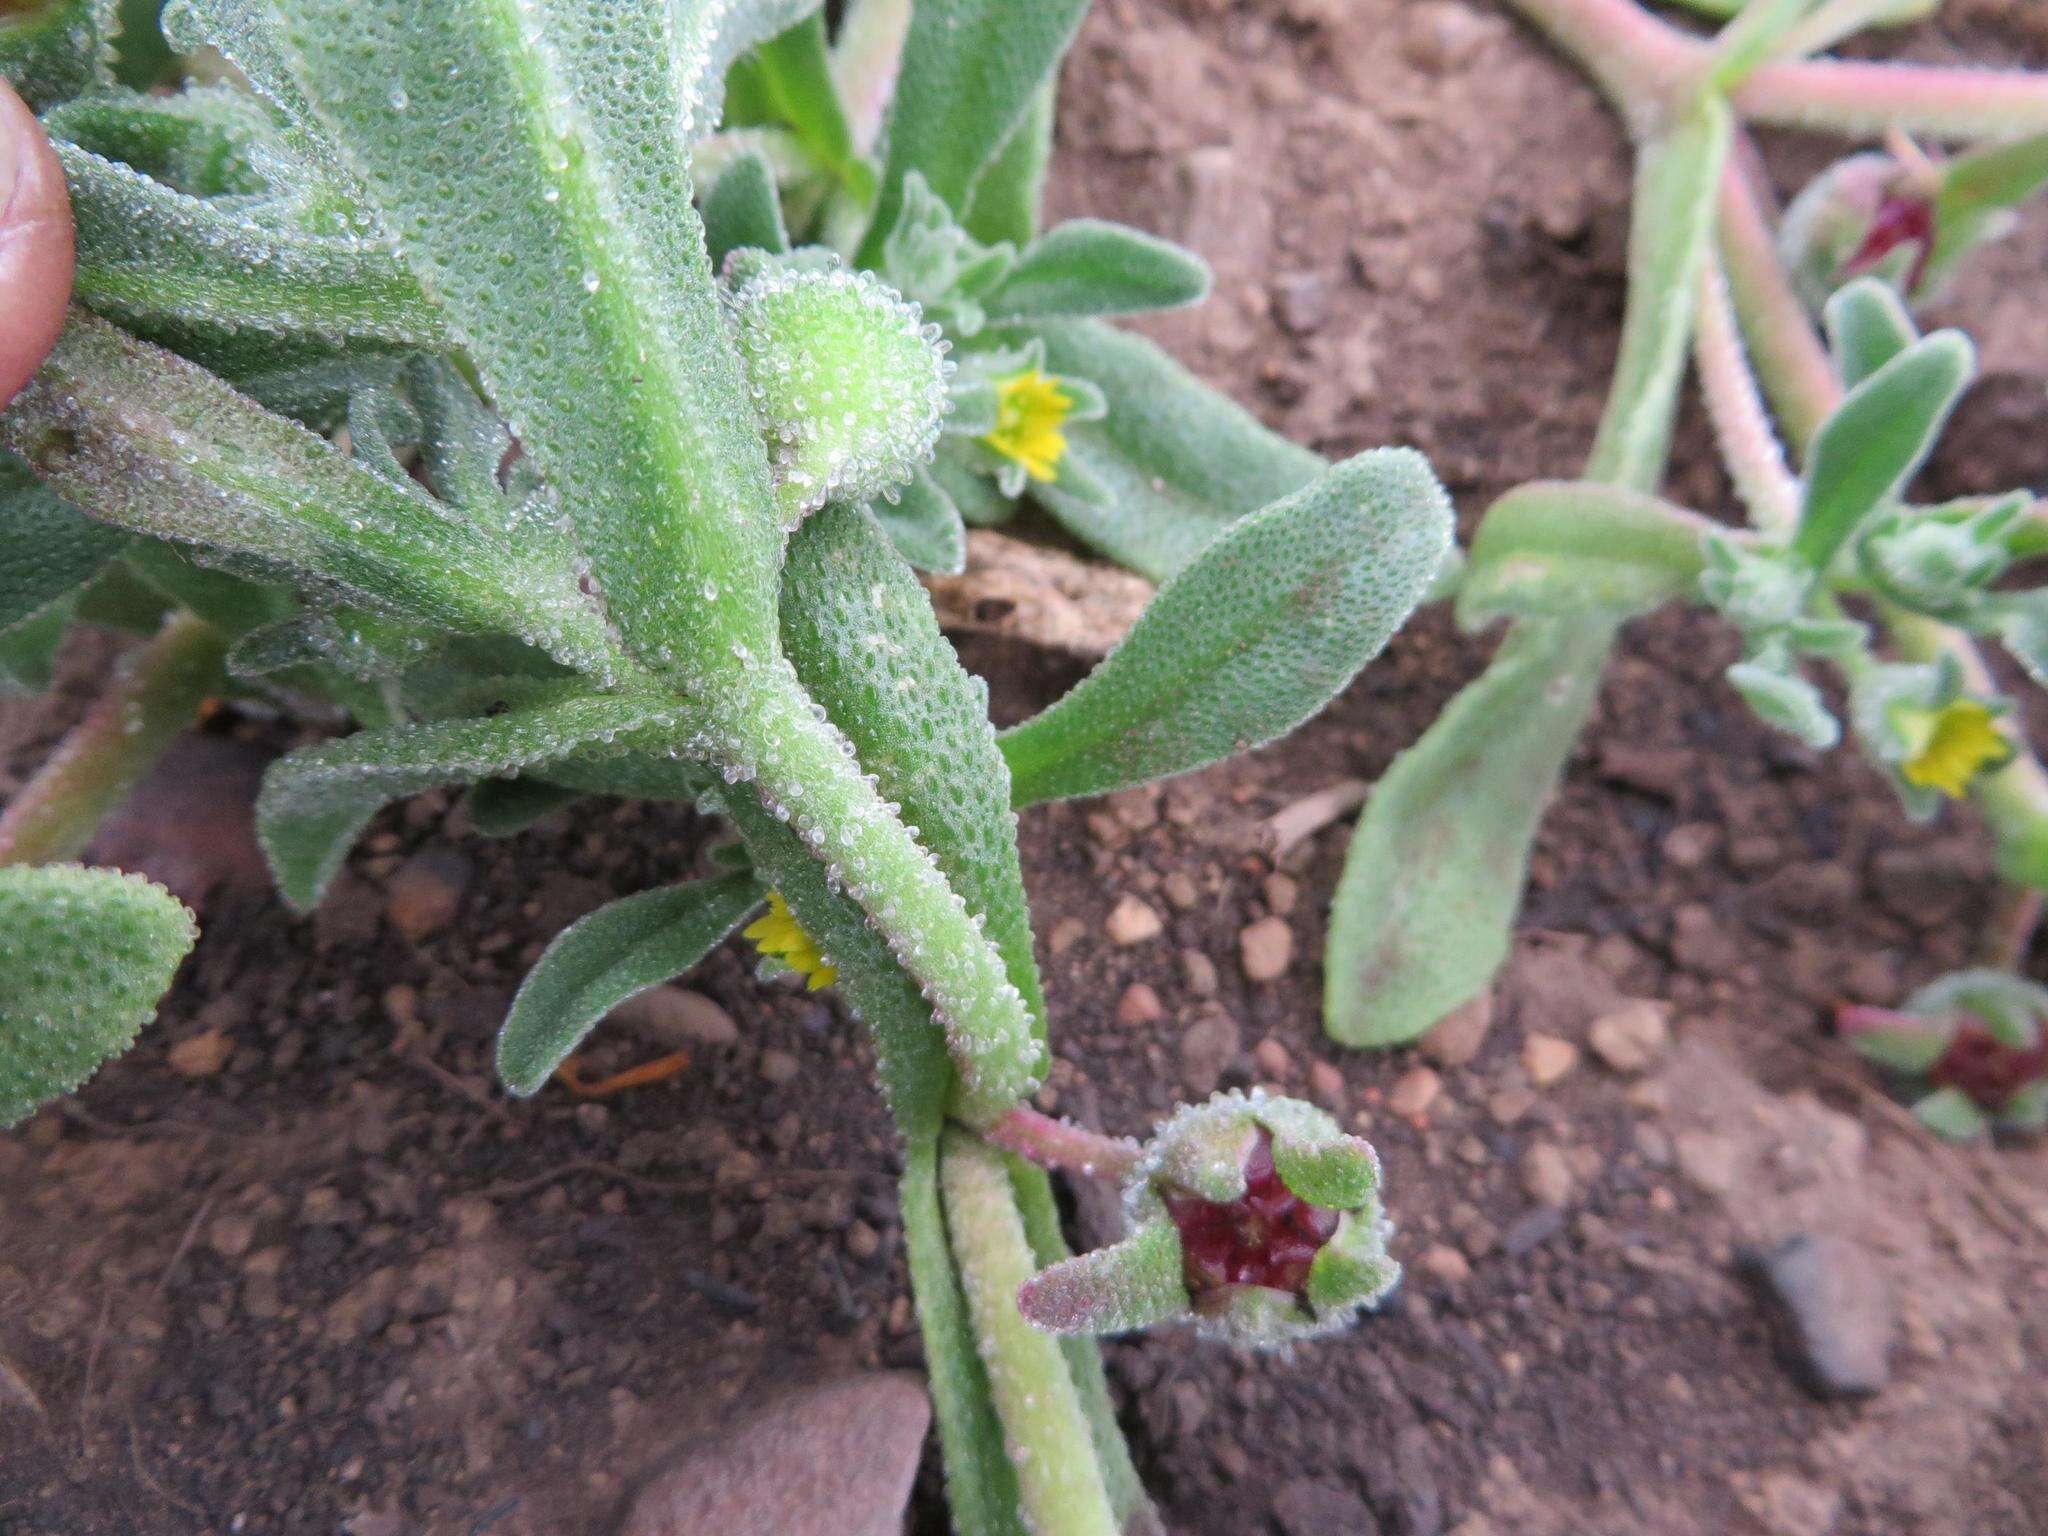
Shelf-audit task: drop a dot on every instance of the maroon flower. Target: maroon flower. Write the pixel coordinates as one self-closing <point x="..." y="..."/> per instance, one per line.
<point x="1267" y="1236"/>
<point x="1901" y="219"/>
<point x="1986" y="1068"/>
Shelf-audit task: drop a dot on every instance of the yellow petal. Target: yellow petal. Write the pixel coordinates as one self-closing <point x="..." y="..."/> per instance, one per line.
<point x="1960" y="741"/>
<point x="1031" y="413"/>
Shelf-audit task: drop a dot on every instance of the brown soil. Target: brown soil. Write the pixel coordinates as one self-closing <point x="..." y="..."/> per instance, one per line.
<point x="340" y="1283"/>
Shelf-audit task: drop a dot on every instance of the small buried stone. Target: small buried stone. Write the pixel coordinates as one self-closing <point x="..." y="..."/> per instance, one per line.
<point x="1832" y="1311"/>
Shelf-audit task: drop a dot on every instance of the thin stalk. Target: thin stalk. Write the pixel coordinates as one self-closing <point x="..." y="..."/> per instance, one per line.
<point x="1045" y="1426"/>
<point x="1834" y="22"/>
<point x="805" y="773"/>
<point x="1862" y="99"/>
<point x="1742" y="424"/>
<point x="1061" y="1144"/>
<point x="2009" y="931"/>
<point x="152" y="698"/>
<point x="1792" y="365"/>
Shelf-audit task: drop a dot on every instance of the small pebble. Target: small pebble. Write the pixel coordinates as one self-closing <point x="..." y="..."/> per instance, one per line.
<point x="1546" y="1176"/>
<point x="779" y="1067"/>
<point x="1833" y="1312"/>
<point x="1446" y="1263"/>
<point x="1631" y="1038"/>
<point x="424" y="895"/>
<point x="1273" y="1060"/>
<point x="677" y="1016"/>
<point x="1326" y="1086"/>
<point x="1139" y="1005"/>
<point x="202" y="1055"/>
<point x="1265" y="948"/>
<point x="1546" y="1058"/>
<point x="1414" y="1092"/>
<point x="1132" y="922"/>
<point x="1455" y="1038"/>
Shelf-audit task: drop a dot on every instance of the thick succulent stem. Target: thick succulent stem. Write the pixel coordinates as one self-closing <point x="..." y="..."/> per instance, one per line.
<point x="152" y="698"/>
<point x="1054" y="1143"/>
<point x="1631" y="56"/>
<point x="772" y="733"/>
<point x="1742" y="423"/>
<point x="1863" y="99"/>
<point x="1045" y="1426"/>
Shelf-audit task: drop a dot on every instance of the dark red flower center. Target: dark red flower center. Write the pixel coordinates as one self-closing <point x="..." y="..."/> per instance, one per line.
<point x="1986" y="1068"/>
<point x="1267" y="1236"/>
<point x="1900" y="220"/>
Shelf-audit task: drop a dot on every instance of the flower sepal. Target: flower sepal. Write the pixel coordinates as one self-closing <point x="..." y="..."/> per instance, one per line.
<point x="1976" y="1039"/>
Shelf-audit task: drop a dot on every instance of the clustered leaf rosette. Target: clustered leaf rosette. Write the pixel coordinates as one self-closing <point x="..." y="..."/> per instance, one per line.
<point x="1975" y="1039"/>
<point x="1254" y="1217"/>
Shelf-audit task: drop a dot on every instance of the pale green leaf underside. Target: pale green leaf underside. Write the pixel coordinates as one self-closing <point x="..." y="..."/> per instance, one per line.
<point x="606" y="957"/>
<point x="1564" y="547"/>
<point x="318" y="799"/>
<point x="84" y="956"/>
<point x="531" y="160"/>
<point x="1270" y="621"/>
<point x="1423" y="912"/>
<point x="141" y="439"/>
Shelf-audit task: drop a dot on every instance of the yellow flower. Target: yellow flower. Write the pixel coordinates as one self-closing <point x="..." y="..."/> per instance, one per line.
<point x="1951" y="745"/>
<point x="778" y="934"/>
<point x="1031" y="408"/>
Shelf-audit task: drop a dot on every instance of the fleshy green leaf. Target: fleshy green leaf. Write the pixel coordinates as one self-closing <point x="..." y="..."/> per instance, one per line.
<point x="84" y="956"/>
<point x="1867" y="327"/>
<point x="742" y="209"/>
<point x="1060" y="1484"/>
<point x="507" y="807"/>
<point x="861" y="633"/>
<point x="170" y="262"/>
<point x="58" y="51"/>
<point x="600" y="960"/>
<point x="1876" y="438"/>
<point x="1265" y="627"/>
<point x="1423" y="912"/>
<point x="1977" y="189"/>
<point x="848" y="388"/>
<point x="1089" y="267"/>
<point x="789" y="80"/>
<point x="1178" y="461"/>
<point x="925" y="526"/>
<point x="1953" y="1114"/>
<point x="1572" y="547"/>
<point x="531" y="163"/>
<point x="315" y="801"/>
<point x="143" y="440"/>
<point x="1130" y="1284"/>
<point x="1004" y="205"/>
<point x="1041" y="1216"/>
<point x="971" y="70"/>
<point x="53" y="549"/>
<point x="981" y="1482"/>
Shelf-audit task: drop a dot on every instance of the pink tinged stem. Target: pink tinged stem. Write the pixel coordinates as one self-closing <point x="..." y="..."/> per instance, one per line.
<point x="1794" y="367"/>
<point x="1742" y="425"/>
<point x="1634" y="59"/>
<point x="151" y="699"/>
<point x="1054" y="1143"/>
<point x="1859" y="98"/>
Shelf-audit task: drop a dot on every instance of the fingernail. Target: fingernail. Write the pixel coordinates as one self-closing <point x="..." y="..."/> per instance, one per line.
<point x="11" y="135"/>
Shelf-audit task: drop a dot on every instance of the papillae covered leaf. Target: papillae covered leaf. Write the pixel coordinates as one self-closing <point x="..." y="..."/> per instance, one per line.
<point x="1268" y="623"/>
<point x="84" y="956"/>
<point x="608" y="956"/>
<point x="318" y="799"/>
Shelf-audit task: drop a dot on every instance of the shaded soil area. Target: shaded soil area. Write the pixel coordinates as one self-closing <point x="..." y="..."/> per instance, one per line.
<point x="296" y="1264"/>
